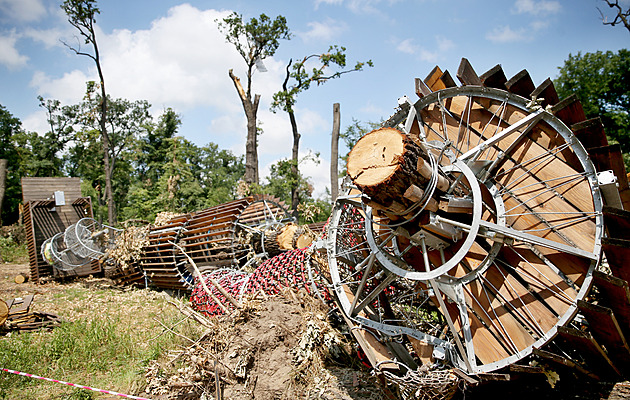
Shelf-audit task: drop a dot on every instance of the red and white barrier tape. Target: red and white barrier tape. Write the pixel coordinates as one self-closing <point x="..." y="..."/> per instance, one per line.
<point x="73" y="384"/>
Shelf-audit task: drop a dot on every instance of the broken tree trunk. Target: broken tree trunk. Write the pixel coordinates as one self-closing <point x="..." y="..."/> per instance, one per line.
<point x="393" y="171"/>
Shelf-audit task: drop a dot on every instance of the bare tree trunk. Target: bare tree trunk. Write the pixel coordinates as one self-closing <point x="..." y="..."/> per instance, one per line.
<point x="334" y="153"/>
<point x="3" y="183"/>
<point x="251" y="145"/>
<point x="295" y="198"/>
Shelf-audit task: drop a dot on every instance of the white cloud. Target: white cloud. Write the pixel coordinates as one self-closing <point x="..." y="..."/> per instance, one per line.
<point x="505" y="34"/>
<point x="48" y="37"/>
<point x="36" y="122"/>
<point x="327" y="2"/>
<point x="324" y="31"/>
<point x="407" y="46"/>
<point x="9" y="55"/>
<point x="534" y="7"/>
<point x="68" y="89"/>
<point x="23" y="10"/>
<point x="444" y="44"/>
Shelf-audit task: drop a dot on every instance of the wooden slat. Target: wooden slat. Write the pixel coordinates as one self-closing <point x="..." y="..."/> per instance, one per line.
<point x="547" y="92"/>
<point x="617" y="254"/>
<point x="617" y="223"/>
<point x="569" y="110"/>
<point x="615" y="295"/>
<point x="433" y="79"/>
<point x="466" y="74"/>
<point x="494" y="77"/>
<point x="421" y="88"/>
<point x="44" y="188"/>
<point x="606" y="330"/>
<point x="447" y="80"/>
<point x="588" y="347"/>
<point x="521" y="84"/>
<point x="590" y="133"/>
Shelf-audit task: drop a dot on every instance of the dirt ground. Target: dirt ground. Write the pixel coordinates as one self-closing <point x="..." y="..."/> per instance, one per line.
<point x="276" y="348"/>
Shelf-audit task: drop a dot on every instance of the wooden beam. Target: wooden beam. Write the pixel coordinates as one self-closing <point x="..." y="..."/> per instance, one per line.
<point x="590" y="133"/>
<point x="606" y="330"/>
<point x="569" y="110"/>
<point x="547" y="92"/>
<point x="467" y="75"/>
<point x="521" y="84"/>
<point x="494" y="77"/>
<point x="589" y="349"/>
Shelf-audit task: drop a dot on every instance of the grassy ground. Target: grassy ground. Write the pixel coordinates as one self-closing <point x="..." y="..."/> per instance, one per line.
<point x="108" y="338"/>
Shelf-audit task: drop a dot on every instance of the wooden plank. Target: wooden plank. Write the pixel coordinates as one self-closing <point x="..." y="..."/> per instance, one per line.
<point x="617" y="223"/>
<point x="37" y="188"/>
<point x="590" y="133"/>
<point x="615" y="295"/>
<point x="494" y="77"/>
<point x="547" y="355"/>
<point x="617" y="254"/>
<point x="590" y="350"/>
<point x="447" y="80"/>
<point x="569" y="110"/>
<point x="433" y="81"/>
<point x="421" y="88"/>
<point x="547" y="92"/>
<point x="466" y="74"/>
<point x="521" y="84"/>
<point x="606" y="330"/>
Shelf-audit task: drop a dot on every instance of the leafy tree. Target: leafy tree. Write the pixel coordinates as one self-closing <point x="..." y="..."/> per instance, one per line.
<point x="82" y="16"/>
<point x="254" y="40"/>
<point x="299" y="79"/>
<point x="601" y="81"/>
<point x="46" y="149"/>
<point x="10" y="128"/>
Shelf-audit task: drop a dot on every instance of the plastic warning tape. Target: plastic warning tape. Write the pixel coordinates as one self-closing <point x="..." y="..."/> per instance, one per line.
<point x="73" y="384"/>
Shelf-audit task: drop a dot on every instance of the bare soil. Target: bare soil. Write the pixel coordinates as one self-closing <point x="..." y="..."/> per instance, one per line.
<point x="275" y="348"/>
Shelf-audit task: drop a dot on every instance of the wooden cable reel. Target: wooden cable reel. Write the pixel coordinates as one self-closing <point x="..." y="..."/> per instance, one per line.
<point x="472" y="228"/>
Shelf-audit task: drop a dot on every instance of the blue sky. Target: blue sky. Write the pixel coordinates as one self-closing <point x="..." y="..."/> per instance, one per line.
<point x="171" y="54"/>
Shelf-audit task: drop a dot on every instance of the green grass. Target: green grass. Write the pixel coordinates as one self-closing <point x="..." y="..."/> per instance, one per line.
<point x="11" y="252"/>
<point x="108" y="351"/>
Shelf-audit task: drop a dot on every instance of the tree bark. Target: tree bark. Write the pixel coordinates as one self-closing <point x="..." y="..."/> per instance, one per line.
<point x="3" y="182"/>
<point x="388" y="167"/>
<point x="334" y="153"/>
<point x="251" y="145"/>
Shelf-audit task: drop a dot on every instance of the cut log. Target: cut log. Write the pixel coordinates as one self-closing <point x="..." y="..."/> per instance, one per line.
<point x="20" y="278"/>
<point x="384" y="165"/>
<point x="4" y="312"/>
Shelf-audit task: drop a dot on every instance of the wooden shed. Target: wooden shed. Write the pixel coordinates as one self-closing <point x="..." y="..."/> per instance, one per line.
<point x="50" y="206"/>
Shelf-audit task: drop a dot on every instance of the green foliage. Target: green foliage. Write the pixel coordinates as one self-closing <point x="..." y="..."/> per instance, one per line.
<point x="10" y="251"/>
<point x="256" y="39"/>
<point x="601" y="81"/>
<point x="82" y="15"/>
<point x="10" y="131"/>
<point x="312" y="69"/>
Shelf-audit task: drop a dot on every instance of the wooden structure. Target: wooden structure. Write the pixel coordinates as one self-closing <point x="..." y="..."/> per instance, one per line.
<point x="50" y="206"/>
<point x="477" y="224"/>
<point x="226" y="235"/>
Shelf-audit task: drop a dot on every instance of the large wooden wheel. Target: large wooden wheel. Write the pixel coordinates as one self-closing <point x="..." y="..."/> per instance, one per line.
<point x="471" y="228"/>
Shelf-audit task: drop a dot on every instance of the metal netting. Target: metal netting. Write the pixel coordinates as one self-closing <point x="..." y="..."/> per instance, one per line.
<point x="291" y="269"/>
<point x="88" y="238"/>
<point x="55" y="252"/>
<point x="422" y="384"/>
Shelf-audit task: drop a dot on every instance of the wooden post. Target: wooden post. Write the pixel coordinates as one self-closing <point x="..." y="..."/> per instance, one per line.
<point x="334" y="153"/>
<point x="3" y="182"/>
